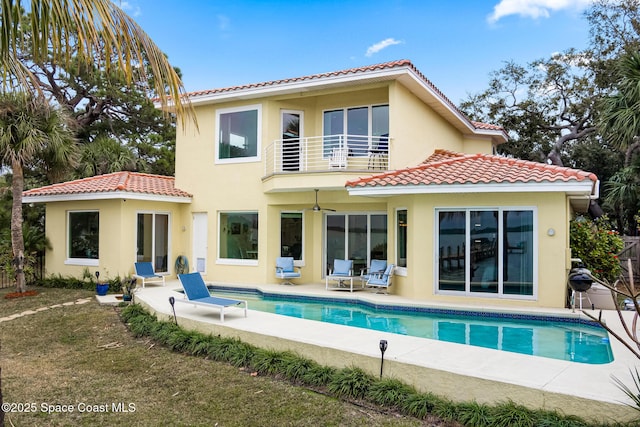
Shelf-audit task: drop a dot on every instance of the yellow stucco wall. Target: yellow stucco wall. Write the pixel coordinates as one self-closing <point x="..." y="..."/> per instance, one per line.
<point x="117" y="235"/>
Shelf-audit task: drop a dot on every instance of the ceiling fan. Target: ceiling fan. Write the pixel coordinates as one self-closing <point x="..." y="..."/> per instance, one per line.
<point x="317" y="208"/>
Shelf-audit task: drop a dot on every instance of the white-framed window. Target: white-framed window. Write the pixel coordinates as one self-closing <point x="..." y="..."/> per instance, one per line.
<point x="83" y="237"/>
<point x="238" y="134"/>
<point x="292" y="235"/>
<point x="152" y="239"/>
<point x="358" y="236"/>
<point x="402" y="228"/>
<point x="238" y="238"/>
<point x="356" y="129"/>
<point x="487" y="251"/>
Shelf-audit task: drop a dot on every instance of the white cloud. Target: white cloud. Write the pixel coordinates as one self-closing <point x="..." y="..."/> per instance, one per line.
<point x="381" y="45"/>
<point x="534" y="8"/>
<point x="131" y="10"/>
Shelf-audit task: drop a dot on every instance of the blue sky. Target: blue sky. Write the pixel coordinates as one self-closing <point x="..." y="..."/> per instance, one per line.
<point x="454" y="43"/>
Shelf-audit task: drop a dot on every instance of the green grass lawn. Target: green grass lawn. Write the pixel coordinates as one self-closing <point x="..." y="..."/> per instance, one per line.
<point x="83" y="356"/>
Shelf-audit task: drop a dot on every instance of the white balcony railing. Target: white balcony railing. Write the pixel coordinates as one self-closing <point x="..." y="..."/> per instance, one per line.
<point x="327" y="153"/>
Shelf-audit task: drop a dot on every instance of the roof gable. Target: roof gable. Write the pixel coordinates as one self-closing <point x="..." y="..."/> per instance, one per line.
<point x="132" y="185"/>
<point x="447" y="171"/>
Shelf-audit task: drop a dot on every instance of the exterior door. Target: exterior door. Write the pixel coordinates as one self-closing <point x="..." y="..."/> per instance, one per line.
<point x="152" y="240"/>
<point x="360" y="237"/>
<point x="200" y="242"/>
<point x="291" y="134"/>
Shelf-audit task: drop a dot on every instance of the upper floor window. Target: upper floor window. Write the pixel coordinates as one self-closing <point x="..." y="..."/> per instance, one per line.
<point x="238" y="134"/>
<point x="358" y="129"/>
<point x="83" y="237"/>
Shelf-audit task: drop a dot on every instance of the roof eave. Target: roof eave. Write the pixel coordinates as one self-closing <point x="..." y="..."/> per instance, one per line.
<point x="575" y="189"/>
<point x="112" y="195"/>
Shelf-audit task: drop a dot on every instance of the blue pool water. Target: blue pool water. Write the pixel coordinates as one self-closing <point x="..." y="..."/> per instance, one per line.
<point x="557" y="338"/>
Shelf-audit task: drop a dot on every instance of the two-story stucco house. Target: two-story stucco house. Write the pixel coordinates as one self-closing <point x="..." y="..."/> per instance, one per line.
<point x="366" y="163"/>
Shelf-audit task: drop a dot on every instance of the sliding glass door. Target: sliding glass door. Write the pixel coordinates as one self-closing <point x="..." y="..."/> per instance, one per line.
<point x="486" y="251"/>
<point x="360" y="237"/>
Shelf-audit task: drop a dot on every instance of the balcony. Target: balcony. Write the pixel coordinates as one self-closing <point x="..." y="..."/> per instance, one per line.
<point x="334" y="153"/>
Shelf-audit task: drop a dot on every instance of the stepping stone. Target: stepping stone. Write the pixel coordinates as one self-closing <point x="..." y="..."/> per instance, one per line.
<point x="42" y="309"/>
<point x="66" y="304"/>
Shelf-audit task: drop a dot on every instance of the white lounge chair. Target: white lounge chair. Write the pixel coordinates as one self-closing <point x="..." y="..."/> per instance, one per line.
<point x="145" y="272"/>
<point x="198" y="294"/>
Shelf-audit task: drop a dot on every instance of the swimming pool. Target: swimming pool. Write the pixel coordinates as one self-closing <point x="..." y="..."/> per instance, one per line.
<point x="553" y="337"/>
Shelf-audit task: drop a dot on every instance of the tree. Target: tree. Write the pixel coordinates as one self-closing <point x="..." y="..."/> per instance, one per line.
<point x="28" y="129"/>
<point x="619" y="119"/>
<point x="543" y="106"/>
<point x="101" y="31"/>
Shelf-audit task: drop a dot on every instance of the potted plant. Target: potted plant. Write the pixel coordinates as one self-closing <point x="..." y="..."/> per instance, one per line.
<point x="127" y="289"/>
<point x="101" y="288"/>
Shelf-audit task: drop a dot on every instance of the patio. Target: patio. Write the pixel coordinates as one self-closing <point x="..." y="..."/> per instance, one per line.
<point x="460" y="372"/>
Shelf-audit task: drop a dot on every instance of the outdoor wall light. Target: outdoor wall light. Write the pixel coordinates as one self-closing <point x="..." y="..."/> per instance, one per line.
<point x="383" y="348"/>
<point x="551" y="232"/>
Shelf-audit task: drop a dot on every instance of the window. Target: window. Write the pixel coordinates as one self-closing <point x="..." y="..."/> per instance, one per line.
<point x="366" y="127"/>
<point x="153" y="240"/>
<point x="238" y="134"/>
<point x="401" y="238"/>
<point x="83" y="234"/>
<point x="486" y="251"/>
<point x="238" y="235"/>
<point x="291" y="235"/>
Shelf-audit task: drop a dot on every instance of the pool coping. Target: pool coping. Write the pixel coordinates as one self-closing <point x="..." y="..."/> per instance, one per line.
<point x="457" y="371"/>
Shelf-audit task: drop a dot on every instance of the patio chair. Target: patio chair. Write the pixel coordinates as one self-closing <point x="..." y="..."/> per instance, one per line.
<point x="197" y="293"/>
<point x="382" y="281"/>
<point x="342" y="272"/>
<point x="338" y="159"/>
<point x="145" y="272"/>
<point x="377" y="266"/>
<point x="285" y="270"/>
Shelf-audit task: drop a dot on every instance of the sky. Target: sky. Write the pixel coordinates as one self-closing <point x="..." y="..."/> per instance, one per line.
<point x="456" y="44"/>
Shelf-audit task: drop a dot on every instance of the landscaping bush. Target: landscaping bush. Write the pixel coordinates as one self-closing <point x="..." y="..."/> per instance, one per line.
<point x="598" y="246"/>
<point x="350" y="382"/>
<point x="390" y="392"/>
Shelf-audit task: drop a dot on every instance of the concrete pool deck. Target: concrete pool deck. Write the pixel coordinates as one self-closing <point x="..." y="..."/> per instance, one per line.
<point x="457" y="371"/>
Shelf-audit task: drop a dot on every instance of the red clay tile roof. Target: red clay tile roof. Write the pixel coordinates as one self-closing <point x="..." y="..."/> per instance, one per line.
<point x="350" y="71"/>
<point x="128" y="182"/>
<point x="447" y="167"/>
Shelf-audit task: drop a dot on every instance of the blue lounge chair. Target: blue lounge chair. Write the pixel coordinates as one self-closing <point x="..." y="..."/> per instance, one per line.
<point x="144" y="271"/>
<point x="342" y="273"/>
<point x="382" y="281"/>
<point x="286" y="271"/>
<point x="377" y="266"/>
<point x="198" y="294"/>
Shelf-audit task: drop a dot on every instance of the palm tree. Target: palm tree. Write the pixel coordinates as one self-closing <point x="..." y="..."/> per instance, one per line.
<point x="28" y="129"/>
<point x="99" y="29"/>
<point x="623" y="197"/>
<point x="619" y="119"/>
